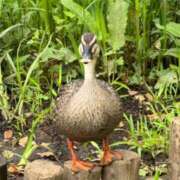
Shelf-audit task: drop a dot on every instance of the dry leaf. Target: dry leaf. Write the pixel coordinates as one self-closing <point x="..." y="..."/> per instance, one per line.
<point x="45" y="154"/>
<point x="157" y="44"/>
<point x="149" y="97"/>
<point x="13" y="169"/>
<point x="132" y="93"/>
<point x="23" y="141"/>
<point x="121" y="124"/>
<point x="125" y="138"/>
<point x="8" y="134"/>
<point x="140" y="98"/>
<point x="46" y="145"/>
<point x="156" y="116"/>
<point x="152" y="116"/>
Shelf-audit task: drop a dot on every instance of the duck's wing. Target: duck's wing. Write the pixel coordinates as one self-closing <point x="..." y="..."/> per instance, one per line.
<point x="104" y="85"/>
<point x="115" y="112"/>
<point x="66" y="92"/>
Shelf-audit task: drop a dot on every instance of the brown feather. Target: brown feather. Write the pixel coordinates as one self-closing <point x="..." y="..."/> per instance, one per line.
<point x="87" y="112"/>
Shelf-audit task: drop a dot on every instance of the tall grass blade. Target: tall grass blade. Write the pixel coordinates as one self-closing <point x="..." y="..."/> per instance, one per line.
<point x="9" y="59"/>
<point x="46" y="15"/>
<point x="1" y="4"/>
<point x="3" y="33"/>
<point x="31" y="69"/>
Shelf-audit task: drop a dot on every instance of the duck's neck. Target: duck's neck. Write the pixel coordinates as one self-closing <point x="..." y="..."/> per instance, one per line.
<point x="89" y="72"/>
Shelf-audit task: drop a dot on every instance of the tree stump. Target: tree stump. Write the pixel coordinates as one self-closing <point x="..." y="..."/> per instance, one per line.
<point x="3" y="169"/>
<point x="43" y="170"/>
<point x="94" y="174"/>
<point x="126" y="169"/>
<point x="174" y="150"/>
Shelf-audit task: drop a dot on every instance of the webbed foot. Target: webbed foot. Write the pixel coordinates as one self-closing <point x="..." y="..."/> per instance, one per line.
<point x="109" y="155"/>
<point x="78" y="165"/>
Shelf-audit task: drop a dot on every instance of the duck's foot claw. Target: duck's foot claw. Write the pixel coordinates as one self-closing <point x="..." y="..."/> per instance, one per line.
<point x="82" y="165"/>
<point x="109" y="156"/>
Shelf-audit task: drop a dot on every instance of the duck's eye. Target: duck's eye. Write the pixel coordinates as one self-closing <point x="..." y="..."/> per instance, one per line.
<point x="80" y="49"/>
<point x="95" y="50"/>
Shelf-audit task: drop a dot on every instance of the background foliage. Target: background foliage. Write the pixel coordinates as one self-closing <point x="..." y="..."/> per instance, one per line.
<point x="140" y="42"/>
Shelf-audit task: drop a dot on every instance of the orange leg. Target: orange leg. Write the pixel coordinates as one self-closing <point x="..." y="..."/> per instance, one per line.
<point x="109" y="154"/>
<point x="77" y="164"/>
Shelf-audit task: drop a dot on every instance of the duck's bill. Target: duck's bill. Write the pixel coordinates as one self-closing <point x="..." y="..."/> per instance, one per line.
<point x="85" y="60"/>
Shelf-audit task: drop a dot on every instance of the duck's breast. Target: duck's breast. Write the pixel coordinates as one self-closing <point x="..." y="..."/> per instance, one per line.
<point x="92" y="113"/>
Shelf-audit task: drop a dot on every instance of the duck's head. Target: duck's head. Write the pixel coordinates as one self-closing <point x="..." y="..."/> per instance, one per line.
<point x="89" y="49"/>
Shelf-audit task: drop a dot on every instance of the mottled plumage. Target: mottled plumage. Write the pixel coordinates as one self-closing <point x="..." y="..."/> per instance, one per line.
<point x="87" y="111"/>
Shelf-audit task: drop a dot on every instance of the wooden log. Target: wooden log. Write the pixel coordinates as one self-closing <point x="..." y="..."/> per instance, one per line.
<point x="94" y="174"/>
<point x="174" y="150"/>
<point x="126" y="169"/>
<point x="3" y="169"/>
<point x="43" y="170"/>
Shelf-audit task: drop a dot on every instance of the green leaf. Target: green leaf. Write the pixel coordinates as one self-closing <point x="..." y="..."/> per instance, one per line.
<point x="173" y="52"/>
<point x="1" y="5"/>
<point x="117" y="21"/>
<point x="46" y="15"/>
<point x="172" y="28"/>
<point x="177" y="42"/>
<point x="120" y="61"/>
<point x="51" y="53"/>
<point x="82" y="14"/>
<point x="63" y="54"/>
<point x="166" y="79"/>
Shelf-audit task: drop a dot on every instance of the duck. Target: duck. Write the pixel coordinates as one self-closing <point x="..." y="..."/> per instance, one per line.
<point x="88" y="109"/>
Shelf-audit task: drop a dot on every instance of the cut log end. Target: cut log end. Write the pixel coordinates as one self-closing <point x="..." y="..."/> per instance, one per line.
<point x="43" y="169"/>
<point x="94" y="174"/>
<point x="174" y="150"/>
<point x="126" y="169"/>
